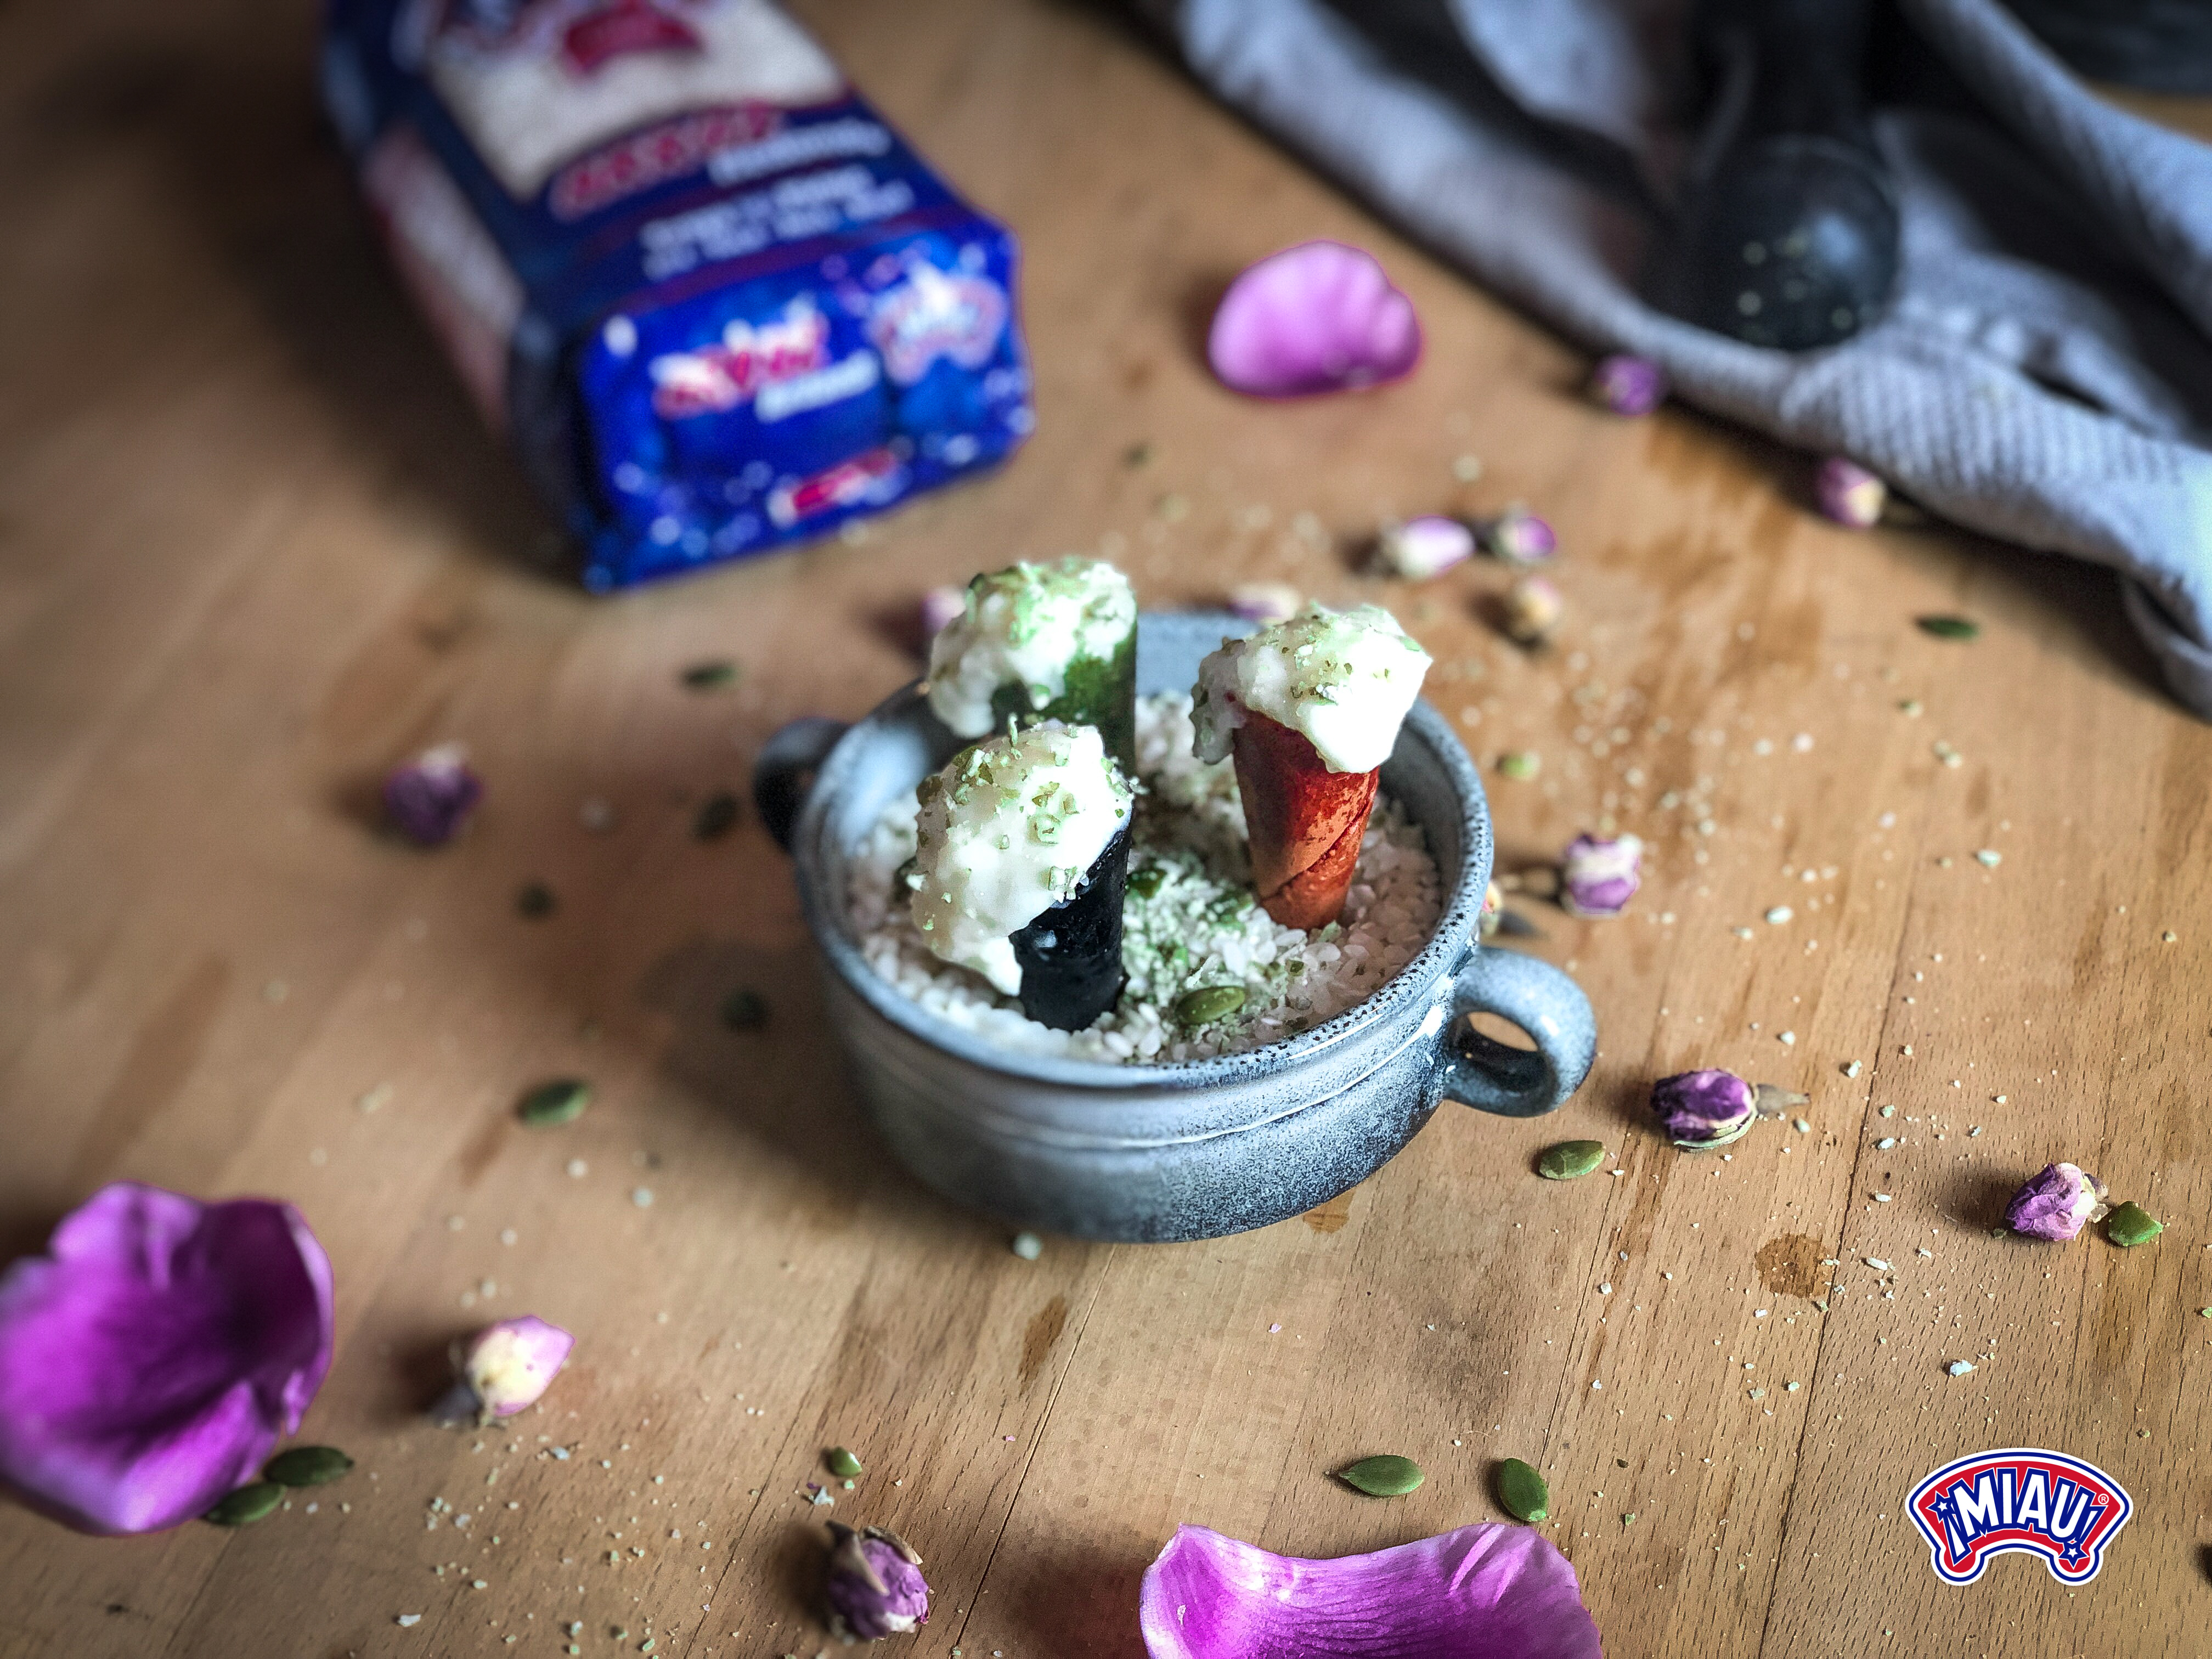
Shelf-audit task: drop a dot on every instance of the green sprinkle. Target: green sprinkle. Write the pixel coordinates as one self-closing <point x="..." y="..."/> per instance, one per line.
<point x="1520" y="764"/>
<point x="1570" y="1159"/>
<point x="841" y="1462"/>
<point x="708" y="675"/>
<point x="246" y="1505"/>
<point x="306" y="1465"/>
<point x="1147" y="882"/>
<point x="717" y="815"/>
<point x="2131" y="1224"/>
<point x="560" y="1101"/>
<point x="1386" y="1476"/>
<point x="535" y="901"/>
<point x="1522" y="1491"/>
<point x="744" y="1010"/>
<point x="1950" y="628"/>
<point x="1208" y="1003"/>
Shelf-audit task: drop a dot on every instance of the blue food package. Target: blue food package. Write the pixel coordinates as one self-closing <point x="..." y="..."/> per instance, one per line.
<point x="713" y="301"/>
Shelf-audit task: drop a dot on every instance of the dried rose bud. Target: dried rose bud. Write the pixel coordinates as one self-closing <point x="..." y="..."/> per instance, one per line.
<point x="1519" y="537"/>
<point x="1533" y="609"/>
<point x="1422" y="548"/>
<point x="1598" y="878"/>
<point x="1848" y="494"/>
<point x="876" y="1587"/>
<point x="1628" y="385"/>
<point x="939" y="607"/>
<point x="1700" y="1110"/>
<point x="1493" y="909"/>
<point x="1266" y="602"/>
<point x="2056" y="1204"/>
<point x="504" y="1368"/>
<point x="430" y="798"/>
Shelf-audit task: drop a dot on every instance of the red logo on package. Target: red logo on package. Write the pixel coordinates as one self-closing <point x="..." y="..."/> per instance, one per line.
<point x="641" y="159"/>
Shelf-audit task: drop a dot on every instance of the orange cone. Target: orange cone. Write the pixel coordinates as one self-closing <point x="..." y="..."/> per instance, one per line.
<point x="1305" y="822"/>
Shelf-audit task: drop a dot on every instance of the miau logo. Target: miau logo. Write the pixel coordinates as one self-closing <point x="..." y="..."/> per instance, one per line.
<point x="2059" y="1508"/>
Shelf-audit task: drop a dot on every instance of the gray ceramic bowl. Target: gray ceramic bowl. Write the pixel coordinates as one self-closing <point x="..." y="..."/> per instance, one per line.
<point x="1201" y="1148"/>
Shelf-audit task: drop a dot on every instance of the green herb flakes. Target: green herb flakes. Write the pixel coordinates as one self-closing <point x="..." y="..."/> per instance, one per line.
<point x="535" y="901"/>
<point x="1383" y="1476"/>
<point x="711" y="676"/>
<point x="1950" y="628"/>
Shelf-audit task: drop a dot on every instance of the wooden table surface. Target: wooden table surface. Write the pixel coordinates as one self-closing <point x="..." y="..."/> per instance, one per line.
<point x="254" y="548"/>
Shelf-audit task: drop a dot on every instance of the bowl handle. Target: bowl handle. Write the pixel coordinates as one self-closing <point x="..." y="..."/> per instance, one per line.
<point x="784" y="770"/>
<point x="1478" y="1071"/>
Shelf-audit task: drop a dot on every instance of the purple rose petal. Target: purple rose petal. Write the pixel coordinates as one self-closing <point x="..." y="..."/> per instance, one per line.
<point x="2056" y="1204"/>
<point x="1848" y="494"/>
<point x="876" y="1587"/>
<point x="430" y="798"/>
<point x="1598" y="878"/>
<point x="1700" y="1110"/>
<point x="149" y="1361"/>
<point x="1482" y="1592"/>
<point x="1628" y="385"/>
<point x="1319" y="317"/>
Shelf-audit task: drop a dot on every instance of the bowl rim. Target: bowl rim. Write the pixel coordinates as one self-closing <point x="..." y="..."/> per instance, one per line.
<point x="1447" y="945"/>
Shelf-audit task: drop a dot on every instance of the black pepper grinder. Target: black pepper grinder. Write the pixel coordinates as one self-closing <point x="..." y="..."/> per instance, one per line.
<point x="1788" y="234"/>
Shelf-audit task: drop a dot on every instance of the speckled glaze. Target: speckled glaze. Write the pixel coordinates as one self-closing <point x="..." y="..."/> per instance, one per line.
<point x="1206" y="1147"/>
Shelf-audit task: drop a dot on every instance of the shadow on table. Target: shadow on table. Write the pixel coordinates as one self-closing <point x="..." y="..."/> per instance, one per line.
<point x="229" y="120"/>
<point x="1082" y="1605"/>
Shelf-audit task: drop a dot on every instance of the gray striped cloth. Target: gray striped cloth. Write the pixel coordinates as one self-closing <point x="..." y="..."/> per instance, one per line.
<point x="2045" y="374"/>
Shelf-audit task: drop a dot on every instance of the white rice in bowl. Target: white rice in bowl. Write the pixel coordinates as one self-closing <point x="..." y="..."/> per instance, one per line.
<point x="1197" y="926"/>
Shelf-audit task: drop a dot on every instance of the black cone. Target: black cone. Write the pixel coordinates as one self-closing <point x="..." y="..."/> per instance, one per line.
<point x="1071" y="956"/>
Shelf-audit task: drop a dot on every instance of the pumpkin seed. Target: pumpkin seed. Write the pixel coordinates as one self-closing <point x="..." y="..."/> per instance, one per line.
<point x="561" y="1101"/>
<point x="842" y="1462"/>
<point x="2131" y="1224"/>
<point x="717" y="815"/>
<point x="708" y="675"/>
<point x="1570" y="1159"/>
<point x="744" y="1010"/>
<point x="1950" y="628"/>
<point x="246" y="1505"/>
<point x="1209" y="1003"/>
<point x="306" y="1465"/>
<point x="1522" y="1491"/>
<point x="1385" y="1476"/>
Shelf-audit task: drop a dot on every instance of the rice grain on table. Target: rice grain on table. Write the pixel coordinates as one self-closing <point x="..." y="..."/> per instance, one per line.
<point x="1197" y="926"/>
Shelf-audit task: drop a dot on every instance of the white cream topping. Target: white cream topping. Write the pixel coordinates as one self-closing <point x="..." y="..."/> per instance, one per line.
<point x="1023" y="626"/>
<point x="1005" y="832"/>
<point x="1343" y="679"/>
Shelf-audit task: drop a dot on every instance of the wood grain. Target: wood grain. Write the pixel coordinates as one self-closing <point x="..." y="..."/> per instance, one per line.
<point x="253" y="548"/>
